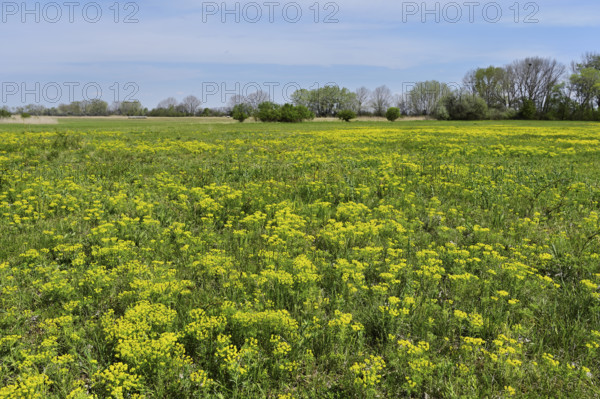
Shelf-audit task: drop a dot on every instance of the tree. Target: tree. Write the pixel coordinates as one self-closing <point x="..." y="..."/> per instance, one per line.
<point x="4" y="113"/>
<point x="236" y="99"/>
<point x="508" y="89"/>
<point x="191" y="104"/>
<point x="392" y="114"/>
<point x="96" y="107"/>
<point x="271" y="112"/>
<point x="167" y="103"/>
<point x="527" y="110"/>
<point x="291" y="113"/>
<point x="34" y="109"/>
<point x="346" y="115"/>
<point x="73" y="109"/>
<point x="465" y="106"/>
<point x="586" y="84"/>
<point x="254" y="99"/>
<point x="325" y="101"/>
<point x="534" y="79"/>
<point x="381" y="99"/>
<point x="585" y="81"/>
<point x="362" y="98"/>
<point x="469" y="82"/>
<point x="487" y="83"/>
<point x="268" y="112"/>
<point x="241" y="112"/>
<point x="131" y="108"/>
<point x="424" y="97"/>
<point x="562" y="105"/>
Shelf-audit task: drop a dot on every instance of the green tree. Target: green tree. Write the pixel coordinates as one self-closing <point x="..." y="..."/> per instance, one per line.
<point x="586" y="84"/>
<point x="325" y="101"/>
<point x="424" y="97"/>
<point x="96" y="107"/>
<point x="131" y="108"/>
<point x="488" y="84"/>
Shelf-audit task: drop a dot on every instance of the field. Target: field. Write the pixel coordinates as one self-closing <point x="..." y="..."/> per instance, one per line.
<point x="171" y="259"/>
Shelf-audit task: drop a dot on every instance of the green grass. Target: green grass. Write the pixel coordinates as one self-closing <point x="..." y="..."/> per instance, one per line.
<point x="176" y="258"/>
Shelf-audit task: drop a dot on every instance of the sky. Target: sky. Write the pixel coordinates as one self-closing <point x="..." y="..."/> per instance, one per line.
<point x="58" y="52"/>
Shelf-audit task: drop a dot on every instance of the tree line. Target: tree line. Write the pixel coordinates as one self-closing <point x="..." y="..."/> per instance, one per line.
<point x="529" y="88"/>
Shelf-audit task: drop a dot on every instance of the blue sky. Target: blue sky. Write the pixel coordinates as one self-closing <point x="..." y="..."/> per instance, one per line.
<point x="190" y="47"/>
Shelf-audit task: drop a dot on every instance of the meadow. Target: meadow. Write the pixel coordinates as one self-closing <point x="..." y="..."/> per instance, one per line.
<point x="172" y="259"/>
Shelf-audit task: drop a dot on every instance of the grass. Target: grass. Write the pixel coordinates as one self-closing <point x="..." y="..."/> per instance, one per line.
<point x="170" y="258"/>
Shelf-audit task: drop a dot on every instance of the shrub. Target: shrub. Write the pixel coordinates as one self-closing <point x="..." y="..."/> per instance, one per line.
<point x="346" y="115"/>
<point x="271" y="112"/>
<point x="268" y="112"/>
<point x="465" y="107"/>
<point x="290" y="113"/>
<point x="441" y="113"/>
<point x="241" y="112"/>
<point x="392" y="114"/>
<point x="4" y="113"/>
<point x="25" y="115"/>
<point x="527" y="110"/>
<point x="498" y="114"/>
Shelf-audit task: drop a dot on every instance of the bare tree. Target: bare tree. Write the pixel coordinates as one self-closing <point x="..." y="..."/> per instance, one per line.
<point x="236" y="100"/>
<point x="401" y="103"/>
<point x="167" y="103"/>
<point x="191" y="104"/>
<point x="535" y="78"/>
<point x="114" y="108"/>
<point x="254" y="99"/>
<point x="362" y="98"/>
<point x="381" y="99"/>
<point x="470" y="81"/>
<point x="508" y="89"/>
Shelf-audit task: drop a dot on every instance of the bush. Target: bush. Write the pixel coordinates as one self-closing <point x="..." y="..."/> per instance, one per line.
<point x="527" y="110"/>
<point x="241" y="112"/>
<point x="268" y="112"/>
<point x="305" y="113"/>
<point x="170" y="112"/>
<point x="463" y="107"/>
<point x="498" y="114"/>
<point x="271" y="112"/>
<point x="4" y="114"/>
<point x="346" y="114"/>
<point x="392" y="114"/>
<point x="290" y="113"/>
<point x="441" y="113"/>
<point x="25" y="115"/>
